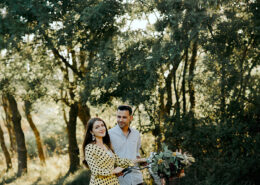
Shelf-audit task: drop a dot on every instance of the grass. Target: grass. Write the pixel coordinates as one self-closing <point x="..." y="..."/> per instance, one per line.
<point x="54" y="172"/>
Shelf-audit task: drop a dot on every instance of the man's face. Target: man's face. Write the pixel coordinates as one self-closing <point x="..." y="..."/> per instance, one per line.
<point x="123" y="118"/>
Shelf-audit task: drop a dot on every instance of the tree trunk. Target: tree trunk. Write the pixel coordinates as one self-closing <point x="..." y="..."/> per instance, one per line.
<point x="162" y="109"/>
<point x="176" y="96"/>
<point x="9" y="126"/>
<point x="71" y="123"/>
<point x="19" y="135"/>
<point x="28" y="115"/>
<point x="222" y="91"/>
<point x="73" y="145"/>
<point x="184" y="81"/>
<point x="191" y="77"/>
<point x="168" y="82"/>
<point x="83" y="114"/>
<point x="4" y="148"/>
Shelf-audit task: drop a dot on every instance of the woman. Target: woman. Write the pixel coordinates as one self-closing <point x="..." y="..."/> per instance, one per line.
<point x="99" y="155"/>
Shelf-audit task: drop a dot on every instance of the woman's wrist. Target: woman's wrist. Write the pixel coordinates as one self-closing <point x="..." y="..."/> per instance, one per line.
<point x="117" y="170"/>
<point x="139" y="160"/>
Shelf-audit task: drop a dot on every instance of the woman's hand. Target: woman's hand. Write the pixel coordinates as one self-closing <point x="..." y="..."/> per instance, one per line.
<point x="140" y="160"/>
<point x="118" y="170"/>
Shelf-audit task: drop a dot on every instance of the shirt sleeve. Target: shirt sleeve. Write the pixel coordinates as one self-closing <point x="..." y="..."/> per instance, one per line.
<point x="138" y="146"/>
<point x="92" y="160"/>
<point x="123" y="163"/>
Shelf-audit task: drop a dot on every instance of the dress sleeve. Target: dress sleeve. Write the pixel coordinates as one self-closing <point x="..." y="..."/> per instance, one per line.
<point x="92" y="160"/>
<point x="123" y="163"/>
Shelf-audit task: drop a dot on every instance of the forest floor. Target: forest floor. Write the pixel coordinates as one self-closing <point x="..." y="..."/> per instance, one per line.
<point x="53" y="173"/>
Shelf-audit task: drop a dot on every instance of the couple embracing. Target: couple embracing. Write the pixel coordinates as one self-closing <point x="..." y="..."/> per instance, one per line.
<point x="107" y="153"/>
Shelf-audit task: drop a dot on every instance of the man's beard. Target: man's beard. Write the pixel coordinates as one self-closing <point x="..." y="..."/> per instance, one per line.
<point x="122" y="125"/>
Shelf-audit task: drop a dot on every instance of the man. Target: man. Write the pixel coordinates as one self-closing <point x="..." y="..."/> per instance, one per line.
<point x="126" y="142"/>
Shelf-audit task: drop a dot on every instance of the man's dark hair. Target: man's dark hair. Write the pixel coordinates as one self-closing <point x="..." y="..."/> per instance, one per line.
<point x="125" y="107"/>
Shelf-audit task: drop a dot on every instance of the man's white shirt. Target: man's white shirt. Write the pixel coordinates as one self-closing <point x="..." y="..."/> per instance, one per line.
<point x="127" y="147"/>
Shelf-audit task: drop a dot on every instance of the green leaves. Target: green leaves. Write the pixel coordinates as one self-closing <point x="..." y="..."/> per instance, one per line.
<point x="167" y="163"/>
<point x="193" y="73"/>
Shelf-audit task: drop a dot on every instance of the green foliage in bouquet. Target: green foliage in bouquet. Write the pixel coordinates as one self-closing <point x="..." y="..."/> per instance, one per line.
<point x="168" y="163"/>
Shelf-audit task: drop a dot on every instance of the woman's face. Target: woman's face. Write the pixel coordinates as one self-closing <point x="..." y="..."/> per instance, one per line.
<point x="99" y="129"/>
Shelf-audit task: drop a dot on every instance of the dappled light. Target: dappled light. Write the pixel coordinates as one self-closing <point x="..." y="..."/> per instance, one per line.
<point x="189" y="71"/>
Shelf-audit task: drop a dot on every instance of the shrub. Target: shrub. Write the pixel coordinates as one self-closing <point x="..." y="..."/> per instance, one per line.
<point x="50" y="144"/>
<point x="31" y="147"/>
<point x="82" y="178"/>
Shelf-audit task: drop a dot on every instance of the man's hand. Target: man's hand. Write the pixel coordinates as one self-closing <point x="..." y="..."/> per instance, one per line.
<point x="119" y="174"/>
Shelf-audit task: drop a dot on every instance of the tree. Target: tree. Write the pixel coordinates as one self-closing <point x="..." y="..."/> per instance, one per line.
<point x="9" y="126"/>
<point x="19" y="135"/>
<point x="155" y="67"/>
<point x="153" y="72"/>
<point x="4" y="148"/>
<point x="79" y="37"/>
<point x="28" y="115"/>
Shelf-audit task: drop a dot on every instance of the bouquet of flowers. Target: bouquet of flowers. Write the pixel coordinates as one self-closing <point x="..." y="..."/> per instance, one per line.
<point x="168" y="164"/>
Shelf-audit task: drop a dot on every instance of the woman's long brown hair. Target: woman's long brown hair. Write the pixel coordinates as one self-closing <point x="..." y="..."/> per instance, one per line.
<point x="88" y="137"/>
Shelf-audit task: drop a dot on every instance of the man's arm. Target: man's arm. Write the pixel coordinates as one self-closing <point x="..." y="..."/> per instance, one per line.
<point x="138" y="146"/>
<point x="141" y="161"/>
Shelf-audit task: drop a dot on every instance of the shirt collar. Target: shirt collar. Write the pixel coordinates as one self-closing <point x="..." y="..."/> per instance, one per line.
<point x="120" y="130"/>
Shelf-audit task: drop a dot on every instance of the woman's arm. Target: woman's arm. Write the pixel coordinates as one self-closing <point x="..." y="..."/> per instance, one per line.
<point x="124" y="163"/>
<point x="92" y="160"/>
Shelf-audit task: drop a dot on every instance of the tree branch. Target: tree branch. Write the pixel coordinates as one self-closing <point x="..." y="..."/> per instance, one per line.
<point x="58" y="55"/>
